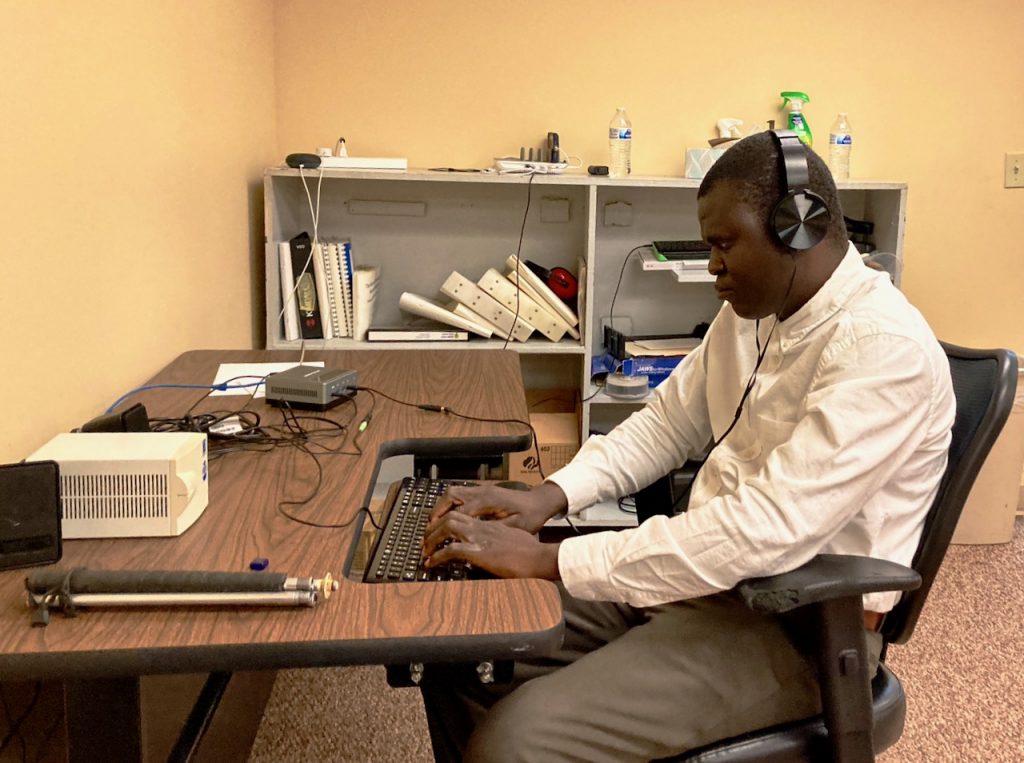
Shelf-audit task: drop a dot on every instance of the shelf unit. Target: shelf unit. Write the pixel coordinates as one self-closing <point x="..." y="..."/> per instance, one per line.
<point x="419" y="225"/>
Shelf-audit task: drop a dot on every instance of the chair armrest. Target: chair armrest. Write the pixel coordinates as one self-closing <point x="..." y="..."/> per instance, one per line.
<point x="825" y="577"/>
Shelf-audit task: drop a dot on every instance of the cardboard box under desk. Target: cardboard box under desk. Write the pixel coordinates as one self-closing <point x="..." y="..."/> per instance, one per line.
<point x="555" y="419"/>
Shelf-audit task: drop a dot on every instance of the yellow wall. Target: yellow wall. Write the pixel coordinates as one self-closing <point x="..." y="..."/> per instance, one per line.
<point x="134" y="137"/>
<point x="933" y="91"/>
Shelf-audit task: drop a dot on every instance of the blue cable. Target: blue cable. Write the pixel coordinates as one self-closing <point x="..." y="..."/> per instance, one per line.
<point x="225" y="386"/>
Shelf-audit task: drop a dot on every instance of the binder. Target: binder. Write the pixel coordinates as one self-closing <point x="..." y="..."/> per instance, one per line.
<point x="528" y="289"/>
<point x="433" y="331"/>
<point x="345" y="255"/>
<point x="461" y="289"/>
<point x="528" y="276"/>
<point x="509" y="295"/>
<point x="428" y="308"/>
<point x="310" y="326"/>
<point x="464" y="312"/>
<point x="289" y="310"/>
<point x="333" y="271"/>
<point x="327" y="313"/>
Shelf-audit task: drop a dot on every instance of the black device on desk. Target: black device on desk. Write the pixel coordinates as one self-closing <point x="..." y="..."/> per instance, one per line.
<point x="681" y="250"/>
<point x="398" y="555"/>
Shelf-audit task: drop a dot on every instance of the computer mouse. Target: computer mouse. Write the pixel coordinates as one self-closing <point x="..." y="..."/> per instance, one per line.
<point x="513" y="485"/>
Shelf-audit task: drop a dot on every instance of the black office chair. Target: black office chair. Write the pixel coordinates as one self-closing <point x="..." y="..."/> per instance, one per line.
<point x="861" y="717"/>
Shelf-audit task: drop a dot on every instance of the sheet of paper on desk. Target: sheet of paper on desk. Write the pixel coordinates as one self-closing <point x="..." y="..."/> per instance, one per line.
<point x="255" y="371"/>
<point x="676" y="345"/>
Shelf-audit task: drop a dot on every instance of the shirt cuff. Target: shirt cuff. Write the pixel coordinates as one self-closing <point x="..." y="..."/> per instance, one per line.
<point x="584" y="565"/>
<point x="578" y="486"/>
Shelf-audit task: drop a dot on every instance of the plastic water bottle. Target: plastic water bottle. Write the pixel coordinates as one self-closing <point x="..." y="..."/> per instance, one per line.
<point x="840" y="143"/>
<point x="620" y="138"/>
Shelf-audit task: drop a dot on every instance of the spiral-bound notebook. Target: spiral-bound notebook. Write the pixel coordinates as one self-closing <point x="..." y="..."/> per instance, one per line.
<point x="337" y="264"/>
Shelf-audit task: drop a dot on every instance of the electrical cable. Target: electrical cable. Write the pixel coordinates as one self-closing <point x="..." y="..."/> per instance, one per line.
<point x="315" y="215"/>
<point x="15" y="726"/>
<point x="519" y="249"/>
<point x="622" y="270"/>
<point x="761" y="352"/>
<point x="210" y="387"/>
<point x="293" y="423"/>
<point x="448" y="411"/>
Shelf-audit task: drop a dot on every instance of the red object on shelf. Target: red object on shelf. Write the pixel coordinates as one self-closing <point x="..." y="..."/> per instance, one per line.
<point x="559" y="280"/>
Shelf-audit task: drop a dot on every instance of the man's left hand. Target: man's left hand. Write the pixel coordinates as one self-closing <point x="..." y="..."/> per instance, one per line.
<point x="500" y="549"/>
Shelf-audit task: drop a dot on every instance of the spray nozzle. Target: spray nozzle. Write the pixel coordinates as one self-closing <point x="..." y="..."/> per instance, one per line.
<point x="729" y="128"/>
<point x="794" y="99"/>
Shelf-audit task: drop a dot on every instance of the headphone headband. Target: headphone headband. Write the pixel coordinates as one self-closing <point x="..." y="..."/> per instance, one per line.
<point x="793" y="161"/>
<point x="801" y="218"/>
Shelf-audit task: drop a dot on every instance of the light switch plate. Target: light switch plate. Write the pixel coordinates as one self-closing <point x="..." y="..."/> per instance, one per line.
<point x="1014" y="171"/>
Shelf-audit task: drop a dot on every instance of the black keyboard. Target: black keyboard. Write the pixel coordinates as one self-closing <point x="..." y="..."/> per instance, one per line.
<point x="681" y="250"/>
<point x="397" y="557"/>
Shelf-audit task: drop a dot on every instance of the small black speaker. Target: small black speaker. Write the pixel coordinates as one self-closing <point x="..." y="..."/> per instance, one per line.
<point x="29" y="514"/>
<point x="304" y="161"/>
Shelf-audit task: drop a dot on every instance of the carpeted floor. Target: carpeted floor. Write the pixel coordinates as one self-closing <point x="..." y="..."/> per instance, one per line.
<point x="961" y="670"/>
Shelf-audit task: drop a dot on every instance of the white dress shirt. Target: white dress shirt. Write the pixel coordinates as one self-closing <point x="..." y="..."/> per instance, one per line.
<point x="839" y="449"/>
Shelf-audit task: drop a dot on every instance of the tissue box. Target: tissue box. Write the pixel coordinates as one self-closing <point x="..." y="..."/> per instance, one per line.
<point x="699" y="161"/>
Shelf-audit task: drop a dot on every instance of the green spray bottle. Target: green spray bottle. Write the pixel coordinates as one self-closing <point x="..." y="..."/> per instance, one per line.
<point x="795" y="100"/>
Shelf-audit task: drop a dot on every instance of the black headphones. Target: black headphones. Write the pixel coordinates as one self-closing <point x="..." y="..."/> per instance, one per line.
<point x="801" y="218"/>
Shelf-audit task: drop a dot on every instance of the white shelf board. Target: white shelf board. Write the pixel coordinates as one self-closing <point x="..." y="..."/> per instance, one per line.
<point x="603" y="398"/>
<point x="569" y="177"/>
<point x="530" y="347"/>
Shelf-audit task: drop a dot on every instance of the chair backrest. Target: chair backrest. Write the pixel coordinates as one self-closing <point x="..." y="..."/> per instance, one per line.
<point x="984" y="384"/>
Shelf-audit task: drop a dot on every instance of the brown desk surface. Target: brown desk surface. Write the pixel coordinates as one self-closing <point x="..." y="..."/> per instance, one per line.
<point x="360" y="623"/>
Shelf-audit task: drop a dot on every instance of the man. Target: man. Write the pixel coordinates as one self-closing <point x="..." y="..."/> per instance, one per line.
<point x="823" y="403"/>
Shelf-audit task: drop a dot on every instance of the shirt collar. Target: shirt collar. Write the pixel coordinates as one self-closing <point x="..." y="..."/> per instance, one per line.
<point x="833" y="295"/>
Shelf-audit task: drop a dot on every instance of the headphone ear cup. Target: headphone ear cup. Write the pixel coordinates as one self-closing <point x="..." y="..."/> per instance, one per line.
<point x="801" y="220"/>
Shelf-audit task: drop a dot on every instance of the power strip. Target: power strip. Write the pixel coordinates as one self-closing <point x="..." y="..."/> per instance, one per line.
<point x="508" y="164"/>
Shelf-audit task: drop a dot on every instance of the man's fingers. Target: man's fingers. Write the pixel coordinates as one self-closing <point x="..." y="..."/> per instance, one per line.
<point x="449" y="527"/>
<point x="446" y="503"/>
<point x="452" y="551"/>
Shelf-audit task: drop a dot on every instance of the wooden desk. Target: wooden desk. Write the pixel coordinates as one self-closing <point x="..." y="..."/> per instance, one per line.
<point x="361" y="623"/>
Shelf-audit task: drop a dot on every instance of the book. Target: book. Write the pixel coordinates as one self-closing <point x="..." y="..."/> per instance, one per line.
<point x="334" y="268"/>
<point x="425" y="331"/>
<point x="518" y="302"/>
<point x="310" y="326"/>
<point x="461" y="289"/>
<point x="365" y="285"/>
<point x="428" y="308"/>
<point x="323" y="294"/>
<point x="345" y="258"/>
<point x="528" y="276"/>
<point x="523" y="284"/>
<point x="464" y="312"/>
<point x="289" y="308"/>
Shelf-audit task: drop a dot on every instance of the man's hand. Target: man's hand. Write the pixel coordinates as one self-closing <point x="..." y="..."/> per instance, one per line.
<point x="526" y="510"/>
<point x="508" y="552"/>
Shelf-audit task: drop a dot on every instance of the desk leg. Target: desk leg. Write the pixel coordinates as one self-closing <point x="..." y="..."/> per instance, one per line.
<point x="103" y="720"/>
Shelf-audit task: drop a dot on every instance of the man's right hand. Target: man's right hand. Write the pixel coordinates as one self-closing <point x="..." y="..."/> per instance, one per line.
<point x="526" y="509"/>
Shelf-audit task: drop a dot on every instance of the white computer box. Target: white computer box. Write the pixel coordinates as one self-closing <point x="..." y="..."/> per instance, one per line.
<point x="129" y="484"/>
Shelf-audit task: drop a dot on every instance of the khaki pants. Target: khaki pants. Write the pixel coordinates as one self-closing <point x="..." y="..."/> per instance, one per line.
<point x="631" y="684"/>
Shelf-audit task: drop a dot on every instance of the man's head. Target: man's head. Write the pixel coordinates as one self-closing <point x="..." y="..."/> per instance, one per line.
<point x="754" y="271"/>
